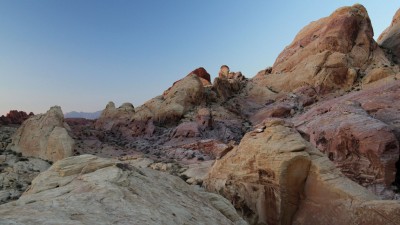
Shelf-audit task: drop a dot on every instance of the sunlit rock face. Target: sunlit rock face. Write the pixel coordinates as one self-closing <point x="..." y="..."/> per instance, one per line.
<point x="329" y="54"/>
<point x="45" y="136"/>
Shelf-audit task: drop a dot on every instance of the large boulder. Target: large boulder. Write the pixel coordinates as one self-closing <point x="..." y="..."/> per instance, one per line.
<point x="390" y="38"/>
<point x="90" y="190"/>
<point x="263" y="177"/>
<point x="328" y="54"/>
<point x="44" y="136"/>
<point x="275" y="176"/>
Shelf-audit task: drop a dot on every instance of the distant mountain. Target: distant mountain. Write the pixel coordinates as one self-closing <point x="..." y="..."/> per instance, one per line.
<point x="86" y="115"/>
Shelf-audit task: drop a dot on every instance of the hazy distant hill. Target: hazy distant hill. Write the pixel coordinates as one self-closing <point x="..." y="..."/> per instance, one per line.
<point x="86" y="115"/>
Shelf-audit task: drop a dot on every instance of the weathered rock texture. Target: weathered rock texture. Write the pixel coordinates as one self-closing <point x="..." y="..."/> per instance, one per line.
<point x="274" y="176"/>
<point x="329" y="54"/>
<point x="390" y="38"/>
<point x="359" y="132"/>
<point x="264" y="175"/>
<point x="44" y="136"/>
<point x="90" y="190"/>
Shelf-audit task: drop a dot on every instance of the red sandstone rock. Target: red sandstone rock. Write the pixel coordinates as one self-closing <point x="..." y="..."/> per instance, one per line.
<point x="15" y="117"/>
<point x="203" y="75"/>
<point x="186" y="130"/>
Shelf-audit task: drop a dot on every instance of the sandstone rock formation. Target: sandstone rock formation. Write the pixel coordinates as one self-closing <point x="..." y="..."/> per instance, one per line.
<point x="173" y="104"/>
<point x="359" y="132"/>
<point x="44" y="136"/>
<point x="263" y="176"/>
<point x="91" y="190"/>
<point x="203" y="75"/>
<point x="329" y="54"/>
<point x="15" y="117"/>
<point x="16" y="171"/>
<point x="112" y="117"/>
<point x="274" y="176"/>
<point x="390" y="38"/>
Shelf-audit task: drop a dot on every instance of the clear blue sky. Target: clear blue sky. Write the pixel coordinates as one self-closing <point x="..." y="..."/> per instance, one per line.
<point x="81" y="54"/>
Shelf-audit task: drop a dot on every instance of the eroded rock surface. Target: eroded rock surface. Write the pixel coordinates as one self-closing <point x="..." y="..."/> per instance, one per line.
<point x="274" y="176"/>
<point x="91" y="190"/>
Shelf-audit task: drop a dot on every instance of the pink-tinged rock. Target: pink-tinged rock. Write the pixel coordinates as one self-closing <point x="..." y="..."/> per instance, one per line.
<point x="204" y="118"/>
<point x="186" y="130"/>
<point x="280" y="110"/>
<point x="364" y="148"/>
<point x="45" y="136"/>
<point x="328" y="54"/>
<point x="214" y="148"/>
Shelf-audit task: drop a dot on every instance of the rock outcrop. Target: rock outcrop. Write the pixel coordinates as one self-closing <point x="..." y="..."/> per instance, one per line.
<point x="359" y="132"/>
<point x="112" y="117"/>
<point x="274" y="176"/>
<point x="329" y="54"/>
<point x="91" y="190"/>
<point x="44" y="136"/>
<point x="203" y="75"/>
<point x="390" y="38"/>
<point x="15" y="117"/>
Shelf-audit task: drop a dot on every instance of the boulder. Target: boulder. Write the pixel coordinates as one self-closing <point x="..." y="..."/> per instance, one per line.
<point x="264" y="176"/>
<point x="390" y="37"/>
<point x="44" y="136"/>
<point x="275" y="176"/>
<point x="90" y="190"/>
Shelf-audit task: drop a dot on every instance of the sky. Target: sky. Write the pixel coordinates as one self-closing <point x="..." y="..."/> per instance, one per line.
<point x="81" y="54"/>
